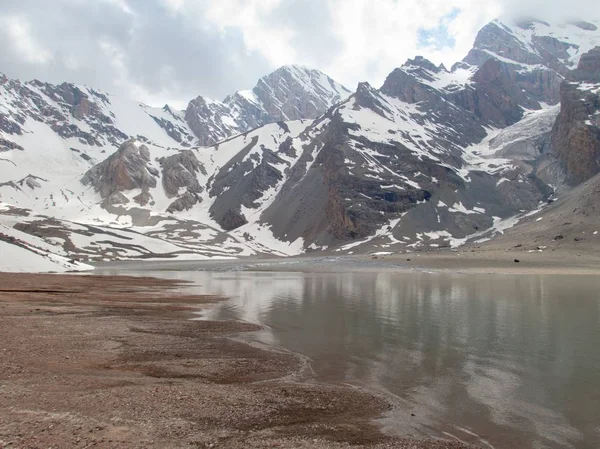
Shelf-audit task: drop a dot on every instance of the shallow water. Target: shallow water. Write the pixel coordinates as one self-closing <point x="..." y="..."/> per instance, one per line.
<point x="500" y="360"/>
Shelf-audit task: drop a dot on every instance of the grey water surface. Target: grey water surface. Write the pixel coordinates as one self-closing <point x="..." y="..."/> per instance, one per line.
<point x="499" y="360"/>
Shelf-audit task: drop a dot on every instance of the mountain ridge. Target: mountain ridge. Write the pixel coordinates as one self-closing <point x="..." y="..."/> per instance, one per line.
<point x="435" y="158"/>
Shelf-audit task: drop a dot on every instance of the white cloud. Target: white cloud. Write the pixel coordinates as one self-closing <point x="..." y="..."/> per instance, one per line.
<point x="373" y="36"/>
<point x="173" y="50"/>
<point x="252" y="18"/>
<point x="19" y="31"/>
<point x="174" y="6"/>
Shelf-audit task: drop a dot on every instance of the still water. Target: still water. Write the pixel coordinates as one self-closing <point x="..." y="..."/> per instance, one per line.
<point x="499" y="360"/>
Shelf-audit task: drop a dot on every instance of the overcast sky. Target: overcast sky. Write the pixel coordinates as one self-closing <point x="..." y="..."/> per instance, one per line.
<point x="160" y="51"/>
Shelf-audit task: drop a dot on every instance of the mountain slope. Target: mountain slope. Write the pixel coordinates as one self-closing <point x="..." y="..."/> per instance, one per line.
<point x="569" y="224"/>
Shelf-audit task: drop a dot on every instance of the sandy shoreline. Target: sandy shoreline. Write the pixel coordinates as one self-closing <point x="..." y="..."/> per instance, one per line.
<point x="113" y="362"/>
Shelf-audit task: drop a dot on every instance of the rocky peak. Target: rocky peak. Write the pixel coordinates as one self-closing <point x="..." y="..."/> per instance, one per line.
<point x="420" y="61"/>
<point x="408" y="86"/>
<point x="208" y="120"/>
<point x="289" y="93"/>
<point x="498" y="40"/>
<point x="295" y="92"/>
<point x="367" y="96"/>
<point x="533" y="42"/>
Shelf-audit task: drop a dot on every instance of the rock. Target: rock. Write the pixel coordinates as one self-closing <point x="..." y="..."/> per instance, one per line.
<point x="143" y="199"/>
<point x="180" y="172"/>
<point x="232" y="220"/>
<point x="574" y="141"/>
<point x="126" y="169"/>
<point x="184" y="202"/>
<point x="7" y="145"/>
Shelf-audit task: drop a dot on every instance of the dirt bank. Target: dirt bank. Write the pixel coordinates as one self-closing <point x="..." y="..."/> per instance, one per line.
<point x="113" y="362"/>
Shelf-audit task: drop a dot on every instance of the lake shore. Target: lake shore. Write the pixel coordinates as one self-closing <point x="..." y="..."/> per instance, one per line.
<point x="497" y="261"/>
<point x="466" y="260"/>
<point x="114" y="362"/>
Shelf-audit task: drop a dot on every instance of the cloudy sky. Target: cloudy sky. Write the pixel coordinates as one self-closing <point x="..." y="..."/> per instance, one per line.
<point x="160" y="51"/>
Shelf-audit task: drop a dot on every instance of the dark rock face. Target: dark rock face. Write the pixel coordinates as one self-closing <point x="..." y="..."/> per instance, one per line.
<point x="9" y="126"/>
<point x="576" y="133"/>
<point x="589" y="67"/>
<point x="127" y="169"/>
<point x="232" y="220"/>
<point x="576" y="138"/>
<point x="500" y="92"/>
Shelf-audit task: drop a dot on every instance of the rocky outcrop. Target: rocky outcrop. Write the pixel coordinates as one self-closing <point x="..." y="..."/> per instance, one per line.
<point x="7" y="145"/>
<point x="588" y="69"/>
<point x="231" y="220"/>
<point x="576" y="134"/>
<point x="180" y="180"/>
<point x="127" y="169"/>
<point x="576" y="138"/>
<point x="180" y="171"/>
<point x="184" y="202"/>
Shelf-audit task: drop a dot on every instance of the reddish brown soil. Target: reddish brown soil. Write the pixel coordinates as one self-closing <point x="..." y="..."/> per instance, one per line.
<point x="113" y="362"/>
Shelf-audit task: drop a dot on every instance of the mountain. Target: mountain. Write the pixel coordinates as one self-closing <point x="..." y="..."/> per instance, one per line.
<point x="568" y="224"/>
<point x="433" y="158"/>
<point x="290" y="93"/>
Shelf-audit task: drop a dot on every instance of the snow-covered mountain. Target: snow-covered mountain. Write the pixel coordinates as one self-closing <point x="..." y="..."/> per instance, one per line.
<point x="290" y="93"/>
<point x="433" y="158"/>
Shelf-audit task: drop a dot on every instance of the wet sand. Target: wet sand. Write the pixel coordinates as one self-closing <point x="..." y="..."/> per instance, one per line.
<point x="114" y="362"/>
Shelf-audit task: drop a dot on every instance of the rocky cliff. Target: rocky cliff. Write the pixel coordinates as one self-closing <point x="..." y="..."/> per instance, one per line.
<point x="576" y="134"/>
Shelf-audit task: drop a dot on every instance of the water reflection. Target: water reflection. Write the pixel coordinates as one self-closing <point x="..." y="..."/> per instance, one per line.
<point x="508" y="361"/>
